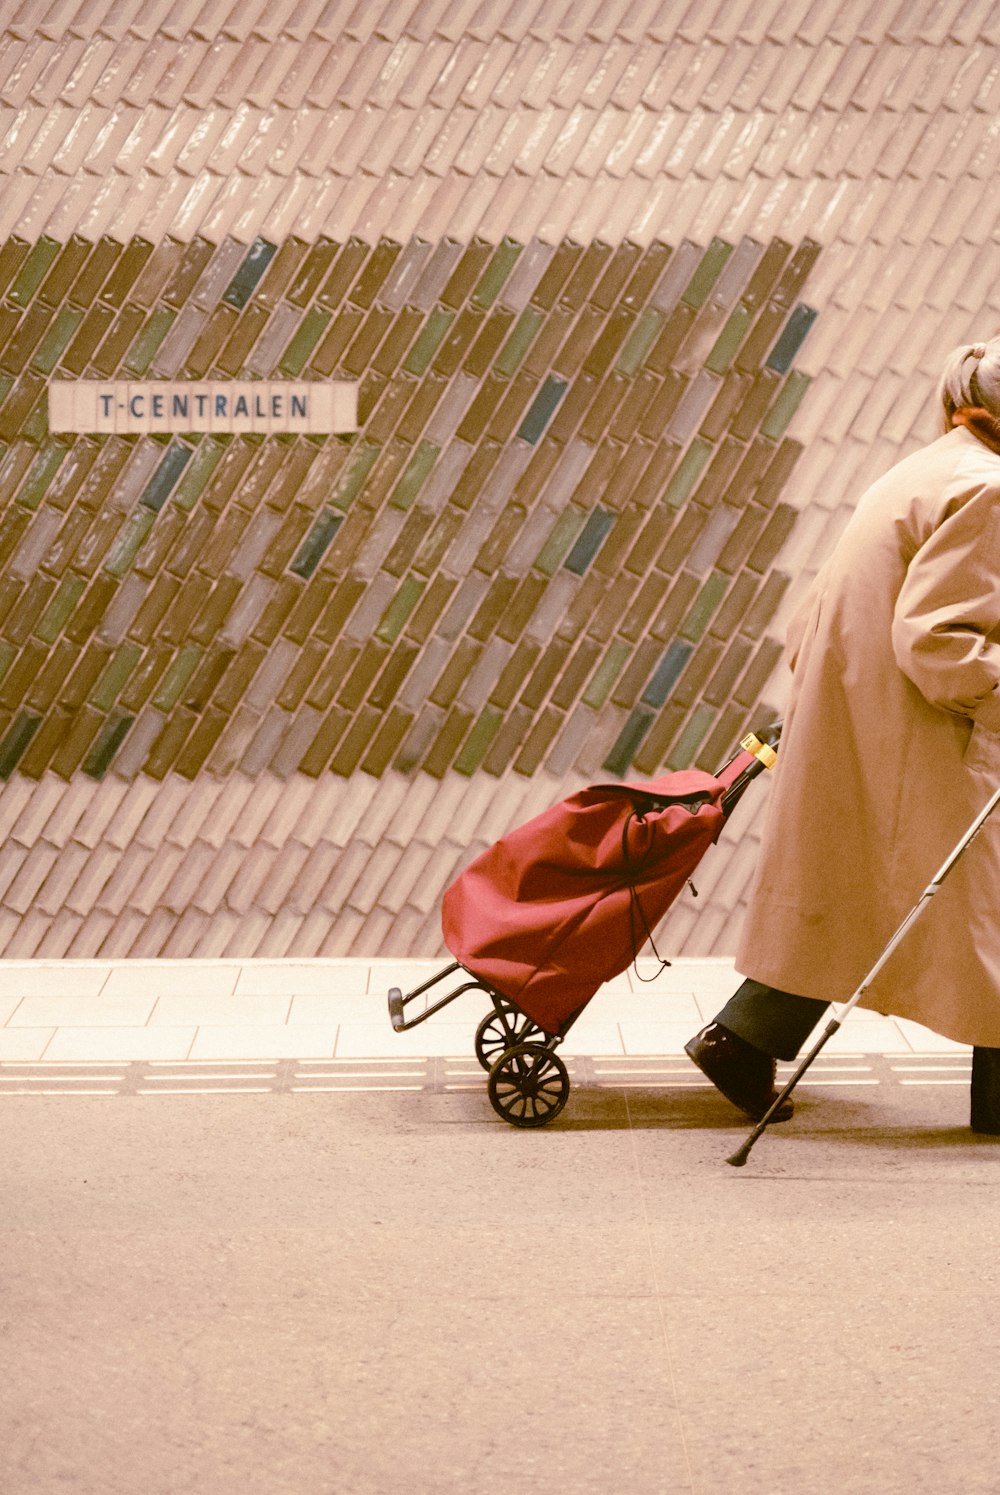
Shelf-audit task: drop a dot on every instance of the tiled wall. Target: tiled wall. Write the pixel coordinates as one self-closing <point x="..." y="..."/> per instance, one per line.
<point x="265" y="694"/>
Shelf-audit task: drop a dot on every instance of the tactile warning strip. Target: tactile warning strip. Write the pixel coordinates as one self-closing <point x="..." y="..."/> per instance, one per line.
<point x="354" y="1076"/>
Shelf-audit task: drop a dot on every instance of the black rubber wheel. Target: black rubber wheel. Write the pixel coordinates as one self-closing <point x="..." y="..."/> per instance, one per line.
<point x="528" y="1085"/>
<point x="500" y="1030"/>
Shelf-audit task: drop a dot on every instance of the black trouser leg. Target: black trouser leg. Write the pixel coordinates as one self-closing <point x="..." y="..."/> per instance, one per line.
<point x="776" y="1022"/>
<point x="985" y="1114"/>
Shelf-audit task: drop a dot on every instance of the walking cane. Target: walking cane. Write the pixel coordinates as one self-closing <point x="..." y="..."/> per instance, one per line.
<point x="741" y="1154"/>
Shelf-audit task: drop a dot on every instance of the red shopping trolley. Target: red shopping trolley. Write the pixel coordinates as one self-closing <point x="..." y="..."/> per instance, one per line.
<point x="561" y="905"/>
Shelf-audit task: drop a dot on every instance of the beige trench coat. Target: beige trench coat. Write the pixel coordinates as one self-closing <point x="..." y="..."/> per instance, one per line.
<point x="891" y="747"/>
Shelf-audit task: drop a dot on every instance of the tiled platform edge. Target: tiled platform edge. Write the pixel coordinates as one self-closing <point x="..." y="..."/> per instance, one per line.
<point x="261" y="695"/>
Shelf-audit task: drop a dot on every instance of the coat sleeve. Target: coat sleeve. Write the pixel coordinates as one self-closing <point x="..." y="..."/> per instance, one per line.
<point x="948" y="607"/>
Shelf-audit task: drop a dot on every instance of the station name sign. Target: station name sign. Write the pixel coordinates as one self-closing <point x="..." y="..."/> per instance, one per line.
<point x="236" y="407"/>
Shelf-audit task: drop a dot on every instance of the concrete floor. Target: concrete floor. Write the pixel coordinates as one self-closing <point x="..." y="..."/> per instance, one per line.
<point x="376" y="1293"/>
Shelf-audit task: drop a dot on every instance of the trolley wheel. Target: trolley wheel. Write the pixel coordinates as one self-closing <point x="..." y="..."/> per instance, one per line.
<point x="528" y="1085"/>
<point x="500" y="1030"/>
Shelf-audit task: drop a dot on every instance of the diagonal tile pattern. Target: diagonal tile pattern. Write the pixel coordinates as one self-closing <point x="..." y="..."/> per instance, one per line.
<point x="637" y="296"/>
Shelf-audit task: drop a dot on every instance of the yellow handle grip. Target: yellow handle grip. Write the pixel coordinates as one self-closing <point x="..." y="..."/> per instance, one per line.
<point x="760" y="750"/>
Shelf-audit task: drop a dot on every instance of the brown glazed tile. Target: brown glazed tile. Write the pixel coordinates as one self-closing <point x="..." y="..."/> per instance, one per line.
<point x="778" y="528"/>
<point x="733" y="393"/>
<point x="602" y="410"/>
<point x="647" y="273"/>
<point x="621" y="267"/>
<point x="91" y="608"/>
<point x="538" y="742"/>
<point x="459" y="341"/>
<point x="448" y="741"/>
<point x="546" y="345"/>
<point x="482" y="409"/>
<point x="168" y="744"/>
<point x="369" y="335"/>
<point x="33" y="601"/>
<point x="312" y="270"/>
<point x="279" y="273"/>
<point x="466" y="273"/>
<point x="301" y="675"/>
<point x="12" y="256"/>
<point x="127" y="271"/>
<point x="609" y="344"/>
<point x="64" y="271"/>
<point x="387" y="741"/>
<point x="224" y="540"/>
<point x="632" y="461"/>
<point x="651" y="755"/>
<point x="158" y="599"/>
<point x="228" y="476"/>
<point x="239" y="676"/>
<point x="509" y="412"/>
<point x="764" y="278"/>
<point x="494" y="607"/>
<point x="584" y="605"/>
<point x="455" y="672"/>
<point x="508" y="741"/>
<point x="66" y="543"/>
<point x="426" y="394"/>
<point x="613" y="604"/>
<point x="795" y="276"/>
<point x="11" y="533"/>
<point x="156" y="272"/>
<point x="336" y="340"/>
<point x="412" y="535"/>
<point x="333" y="672"/>
<point x="215" y="334"/>
<point x="759" y="672"/>
<point x="11" y="588"/>
<point x="731" y="665"/>
<point x="90" y="332"/>
<point x="778" y="472"/>
<point x="208" y="676"/>
<point x="729" y="616"/>
<point x="306" y="603"/>
<point x="488" y="343"/>
<point x="122" y="333"/>
<point x="671" y="339"/>
<point x="545" y="672"/>
<point x="391" y="404"/>
<point x="23" y="398"/>
<point x="96" y="269"/>
<point x="367" y="665"/>
<point x="45" y="742"/>
<point x="514" y="674"/>
<point x="430" y="608"/>
<point x="578" y="400"/>
<point x="191" y="540"/>
<point x="215" y="610"/>
<point x="619" y="541"/>
<point x="175" y="626"/>
<point x="682" y="593"/>
<point x="737" y="548"/>
<point x="380" y="262"/>
<point x="718" y="476"/>
<point x="723" y="739"/>
<point x="696" y="672"/>
<point x="145" y="678"/>
<point x="88" y="670"/>
<point x="538" y="472"/>
<point x="765" y="604"/>
<point x="395" y="671"/>
<point x="517" y="615"/>
<point x="19" y="677"/>
<point x="249" y="326"/>
<point x="755" y="403"/>
<point x="690" y="523"/>
<point x="557" y="272"/>
<point x="649" y="540"/>
<point x="49" y="681"/>
<point x="343" y="271"/>
<point x="644" y="606"/>
<point x="576" y="674"/>
<point x="405" y="325"/>
<point x="631" y="683"/>
<point x="206" y="733"/>
<point x="27" y="334"/>
<point x="281" y="549"/>
<point x="193" y="262"/>
<point x="443" y="534"/>
<point x="586" y="272"/>
<point x="582" y="335"/>
<point x="275" y="614"/>
<point x="157" y="546"/>
<point x="501" y="537"/>
<point x="635" y="407"/>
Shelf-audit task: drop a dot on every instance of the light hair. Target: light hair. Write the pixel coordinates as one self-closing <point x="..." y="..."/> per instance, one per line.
<point x="971" y="377"/>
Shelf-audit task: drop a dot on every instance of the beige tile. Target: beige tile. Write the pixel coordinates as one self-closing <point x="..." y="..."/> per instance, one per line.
<point x="319" y="977"/>
<point x="160" y="976"/>
<point x="58" y="978"/>
<point x="120" y="1043"/>
<point x="265" y="1042"/>
<point x="180" y="1008"/>
<point x="24" y="1043"/>
<point x="7" y="1006"/>
<point x="377" y="1040"/>
<point x="587" y="1037"/>
<point x="338" y="1007"/>
<point x="923" y="1041"/>
<point x="405" y="974"/>
<point x="84" y="1012"/>
<point x="654" y="1038"/>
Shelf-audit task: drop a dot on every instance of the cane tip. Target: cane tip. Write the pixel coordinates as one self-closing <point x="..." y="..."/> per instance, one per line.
<point x="738" y="1159"/>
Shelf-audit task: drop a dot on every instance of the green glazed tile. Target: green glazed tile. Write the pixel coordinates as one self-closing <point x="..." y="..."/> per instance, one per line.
<point x="56" y="340"/>
<point x="33" y="271"/>
<point x="564" y="532"/>
<point x="629" y="741"/>
<point x="729" y="339"/>
<point x="57" y="614"/>
<point x="399" y="609"/>
<point x="606" y="674"/>
<point x="144" y="349"/>
<point x="177" y="677"/>
<point x="785" y="405"/>
<point x="353" y="479"/>
<point x="106" y="744"/>
<point x="43" y="470"/>
<point x="415" y="475"/>
<point x="641" y="339"/>
<point x="429" y="341"/>
<point x="8" y="653"/>
<point x="705" y="603"/>
<point x="207" y="457"/>
<point x="505" y="258"/>
<point x="117" y="672"/>
<point x="696" y="292"/>
<point x="16" y="740"/>
<point x="311" y="329"/>
<point x="479" y="740"/>
<point x="129" y="540"/>
<point x="525" y="331"/>
<point x="684" y="749"/>
<point x="688" y="471"/>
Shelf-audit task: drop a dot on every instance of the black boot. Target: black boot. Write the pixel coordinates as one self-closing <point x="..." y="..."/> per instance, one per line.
<point x="986" y="1091"/>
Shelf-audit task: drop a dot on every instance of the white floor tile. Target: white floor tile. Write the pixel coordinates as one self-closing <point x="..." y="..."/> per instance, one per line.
<point x="334" y="977"/>
<point x="265" y="1042"/>
<point x="655" y="1038"/>
<point x="24" y="1043"/>
<point x="172" y="976"/>
<point x="586" y="1037"/>
<point x="646" y="1006"/>
<point x="174" y="1010"/>
<point x="923" y="1041"/>
<point x="83" y="1012"/>
<point x="51" y="978"/>
<point x="8" y="1005"/>
<point x="405" y="974"/>
<point x="120" y="1043"/>
<point x="882" y="1036"/>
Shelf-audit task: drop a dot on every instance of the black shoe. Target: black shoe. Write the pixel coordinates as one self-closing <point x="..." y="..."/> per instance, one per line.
<point x="985" y="1097"/>
<point x="744" y="1074"/>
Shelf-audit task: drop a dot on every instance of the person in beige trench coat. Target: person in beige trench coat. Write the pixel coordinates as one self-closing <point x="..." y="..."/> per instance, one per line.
<point x="890" y="748"/>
